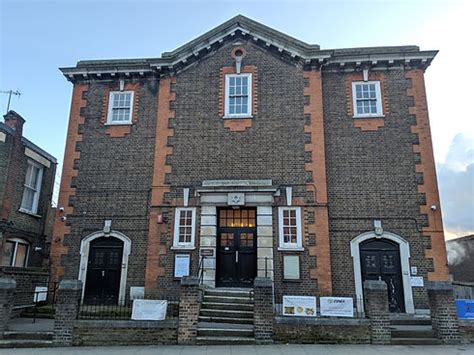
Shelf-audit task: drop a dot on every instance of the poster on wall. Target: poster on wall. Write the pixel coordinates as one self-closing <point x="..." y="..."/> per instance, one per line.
<point x="41" y="293"/>
<point x="416" y="281"/>
<point x="299" y="306"/>
<point x="465" y="309"/>
<point x="149" y="309"/>
<point x="336" y="306"/>
<point x="181" y="265"/>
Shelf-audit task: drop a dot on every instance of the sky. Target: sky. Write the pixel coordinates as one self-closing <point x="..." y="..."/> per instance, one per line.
<point x="38" y="37"/>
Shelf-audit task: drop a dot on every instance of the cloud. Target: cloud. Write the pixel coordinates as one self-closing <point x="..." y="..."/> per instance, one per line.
<point x="456" y="185"/>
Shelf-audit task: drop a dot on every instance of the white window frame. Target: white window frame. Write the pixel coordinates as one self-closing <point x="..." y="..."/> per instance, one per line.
<point x="176" y="243"/>
<point x="378" y="97"/>
<point x="227" y="114"/>
<point x="111" y="104"/>
<point x="19" y="241"/>
<point x="299" y="240"/>
<point x="34" y="207"/>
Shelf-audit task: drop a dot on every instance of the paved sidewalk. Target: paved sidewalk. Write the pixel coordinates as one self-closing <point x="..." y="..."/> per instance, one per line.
<point x="250" y="350"/>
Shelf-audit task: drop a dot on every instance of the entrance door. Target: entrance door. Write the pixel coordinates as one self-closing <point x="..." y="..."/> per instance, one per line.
<point x="380" y="260"/>
<point x="236" y="248"/>
<point x="104" y="269"/>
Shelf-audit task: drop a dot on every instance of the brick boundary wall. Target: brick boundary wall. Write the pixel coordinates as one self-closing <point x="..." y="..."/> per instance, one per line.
<point x="466" y="329"/>
<point x="67" y="307"/>
<point x="263" y="311"/>
<point x="376" y="308"/>
<point x="443" y="311"/>
<point x="125" y="332"/>
<point x="189" y="305"/>
<point x="321" y="331"/>
<point x="27" y="278"/>
<point x="7" y="293"/>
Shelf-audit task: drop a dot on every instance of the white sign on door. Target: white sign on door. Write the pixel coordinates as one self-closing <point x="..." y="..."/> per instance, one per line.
<point x="149" y="309"/>
<point x="336" y="306"/>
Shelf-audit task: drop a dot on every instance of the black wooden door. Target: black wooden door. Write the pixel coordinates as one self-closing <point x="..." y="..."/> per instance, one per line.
<point x="104" y="269"/>
<point x="380" y="260"/>
<point x="236" y="257"/>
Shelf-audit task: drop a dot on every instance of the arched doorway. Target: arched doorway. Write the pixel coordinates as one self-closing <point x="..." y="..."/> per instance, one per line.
<point x="103" y="267"/>
<point x="364" y="246"/>
<point x="380" y="260"/>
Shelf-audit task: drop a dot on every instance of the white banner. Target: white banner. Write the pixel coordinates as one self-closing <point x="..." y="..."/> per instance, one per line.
<point x="149" y="309"/>
<point x="336" y="306"/>
<point x="299" y="306"/>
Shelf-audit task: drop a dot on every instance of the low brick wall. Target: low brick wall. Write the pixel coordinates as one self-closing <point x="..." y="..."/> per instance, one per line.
<point x="321" y="330"/>
<point x="27" y="278"/>
<point x="466" y="328"/>
<point x="125" y="332"/>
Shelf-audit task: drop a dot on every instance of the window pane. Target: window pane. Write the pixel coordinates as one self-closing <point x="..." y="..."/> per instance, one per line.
<point x="7" y="254"/>
<point x="28" y="198"/>
<point x="21" y="253"/>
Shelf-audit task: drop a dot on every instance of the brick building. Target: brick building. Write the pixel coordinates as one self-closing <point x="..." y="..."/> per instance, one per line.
<point x="267" y="155"/>
<point x="26" y="186"/>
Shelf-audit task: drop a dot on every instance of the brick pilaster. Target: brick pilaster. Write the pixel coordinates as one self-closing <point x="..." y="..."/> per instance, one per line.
<point x="376" y="308"/>
<point x="7" y="292"/>
<point x="67" y="308"/>
<point x="189" y="304"/>
<point x="443" y="311"/>
<point x="263" y="311"/>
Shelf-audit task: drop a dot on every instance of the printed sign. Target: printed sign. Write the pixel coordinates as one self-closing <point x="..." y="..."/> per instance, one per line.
<point x="149" y="309"/>
<point x="299" y="306"/>
<point x="207" y="252"/>
<point x="181" y="265"/>
<point x="137" y="293"/>
<point x="336" y="306"/>
<point x="465" y="309"/>
<point x="41" y="293"/>
<point x="417" y="281"/>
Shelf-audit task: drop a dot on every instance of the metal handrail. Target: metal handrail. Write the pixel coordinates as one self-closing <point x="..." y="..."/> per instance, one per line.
<point x="201" y="270"/>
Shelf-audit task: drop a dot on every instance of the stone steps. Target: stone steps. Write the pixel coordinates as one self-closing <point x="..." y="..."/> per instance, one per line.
<point x="25" y="343"/>
<point x="19" y="335"/>
<point x="412" y="331"/>
<point x="226" y="317"/>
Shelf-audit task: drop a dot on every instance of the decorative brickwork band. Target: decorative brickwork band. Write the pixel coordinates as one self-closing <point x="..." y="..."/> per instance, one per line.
<point x="7" y="293"/>
<point x="263" y="311"/>
<point x="155" y="249"/>
<point x="67" y="307"/>
<point x="376" y="307"/>
<point x="62" y="228"/>
<point x="189" y="304"/>
<point x="426" y="167"/>
<point x="313" y="109"/>
<point x="443" y="311"/>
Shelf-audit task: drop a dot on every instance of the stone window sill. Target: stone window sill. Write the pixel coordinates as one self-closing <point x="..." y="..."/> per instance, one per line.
<point x="290" y="249"/>
<point x="177" y="248"/>
<point x="22" y="210"/>
<point x="237" y="117"/>
<point x="368" y="116"/>
<point x="118" y="123"/>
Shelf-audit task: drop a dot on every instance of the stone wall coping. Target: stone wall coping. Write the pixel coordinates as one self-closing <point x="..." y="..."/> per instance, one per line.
<point x="439" y="286"/>
<point x="263" y="282"/>
<point x="322" y="321"/>
<point x="189" y="281"/>
<point x="167" y="323"/>
<point x="7" y="283"/>
<point x="375" y="285"/>
<point x="70" y="285"/>
<point x="11" y="270"/>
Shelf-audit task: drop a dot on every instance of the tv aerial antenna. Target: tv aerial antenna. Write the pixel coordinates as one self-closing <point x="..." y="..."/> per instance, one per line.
<point x="10" y="93"/>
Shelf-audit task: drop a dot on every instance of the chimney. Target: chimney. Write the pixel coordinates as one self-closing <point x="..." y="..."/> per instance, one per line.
<point x="15" y="121"/>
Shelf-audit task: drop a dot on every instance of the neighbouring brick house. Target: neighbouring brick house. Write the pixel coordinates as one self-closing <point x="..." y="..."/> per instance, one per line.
<point x="267" y="155"/>
<point x="26" y="186"/>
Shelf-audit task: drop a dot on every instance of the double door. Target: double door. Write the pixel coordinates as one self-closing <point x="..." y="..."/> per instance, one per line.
<point x="236" y="257"/>
<point x="104" y="270"/>
<point x="380" y="260"/>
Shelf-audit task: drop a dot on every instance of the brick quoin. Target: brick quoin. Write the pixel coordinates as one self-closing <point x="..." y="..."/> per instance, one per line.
<point x="61" y="229"/>
<point x="317" y="167"/>
<point x="434" y="229"/>
<point x="155" y="249"/>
